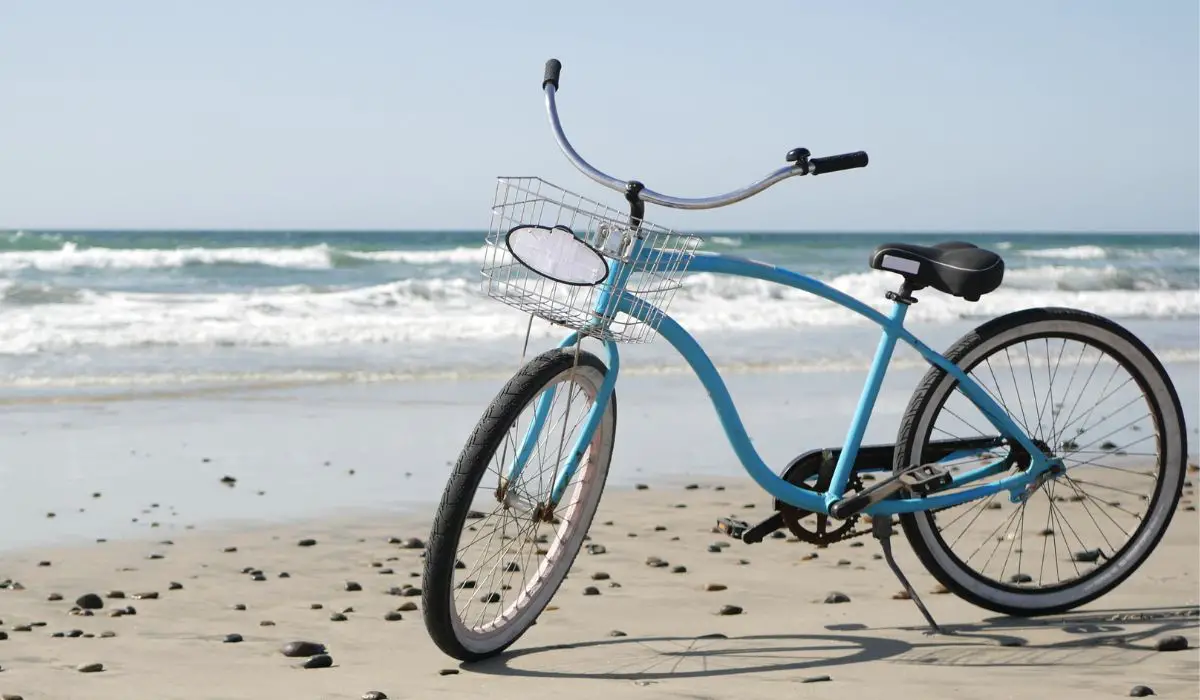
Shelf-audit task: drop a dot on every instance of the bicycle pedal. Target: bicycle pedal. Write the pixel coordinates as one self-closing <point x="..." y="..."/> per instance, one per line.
<point x="733" y="527"/>
<point x="925" y="479"/>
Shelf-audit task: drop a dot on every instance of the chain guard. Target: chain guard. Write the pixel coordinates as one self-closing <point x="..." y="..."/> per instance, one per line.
<point x="819" y="464"/>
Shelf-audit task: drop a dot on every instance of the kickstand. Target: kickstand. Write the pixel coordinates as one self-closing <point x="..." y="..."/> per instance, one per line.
<point x="881" y="528"/>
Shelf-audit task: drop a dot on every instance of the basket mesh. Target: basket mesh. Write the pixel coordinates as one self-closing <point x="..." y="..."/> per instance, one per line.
<point x="533" y="201"/>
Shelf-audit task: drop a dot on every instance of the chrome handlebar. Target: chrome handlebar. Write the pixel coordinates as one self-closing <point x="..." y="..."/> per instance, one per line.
<point x="802" y="165"/>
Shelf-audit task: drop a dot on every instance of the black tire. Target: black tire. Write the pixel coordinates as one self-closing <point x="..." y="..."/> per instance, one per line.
<point x="438" y="599"/>
<point x="1010" y="596"/>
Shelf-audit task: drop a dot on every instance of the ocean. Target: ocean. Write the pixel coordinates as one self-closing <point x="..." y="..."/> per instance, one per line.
<point x="84" y="310"/>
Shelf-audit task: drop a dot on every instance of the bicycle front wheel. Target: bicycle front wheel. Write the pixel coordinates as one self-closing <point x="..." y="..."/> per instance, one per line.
<point x="493" y="563"/>
<point x="1088" y="391"/>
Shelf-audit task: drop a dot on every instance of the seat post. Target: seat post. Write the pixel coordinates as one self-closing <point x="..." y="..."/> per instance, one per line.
<point x="904" y="296"/>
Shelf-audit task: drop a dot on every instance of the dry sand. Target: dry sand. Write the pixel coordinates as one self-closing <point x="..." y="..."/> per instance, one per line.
<point x="675" y="645"/>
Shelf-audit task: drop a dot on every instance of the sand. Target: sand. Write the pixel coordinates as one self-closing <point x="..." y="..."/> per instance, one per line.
<point x="871" y="646"/>
<point x="351" y="466"/>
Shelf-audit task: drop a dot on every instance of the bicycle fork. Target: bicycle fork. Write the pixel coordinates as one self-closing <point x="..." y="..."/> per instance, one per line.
<point x="567" y="466"/>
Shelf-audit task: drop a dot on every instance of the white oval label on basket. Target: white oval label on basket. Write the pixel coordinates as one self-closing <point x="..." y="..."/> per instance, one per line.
<point x="558" y="254"/>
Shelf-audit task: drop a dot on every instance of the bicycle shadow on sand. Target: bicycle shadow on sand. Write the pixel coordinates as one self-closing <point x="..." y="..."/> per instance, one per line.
<point x="1105" y="638"/>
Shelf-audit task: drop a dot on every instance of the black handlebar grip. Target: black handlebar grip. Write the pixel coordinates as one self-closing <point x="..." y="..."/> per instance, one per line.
<point x="832" y="164"/>
<point x="552" y="69"/>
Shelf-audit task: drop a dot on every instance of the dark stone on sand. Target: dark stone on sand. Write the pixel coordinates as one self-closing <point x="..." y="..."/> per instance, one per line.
<point x="591" y="590"/>
<point x="656" y="562"/>
<point x="468" y="584"/>
<point x="1012" y="642"/>
<point x="1140" y="691"/>
<point x="174" y="586"/>
<point x="258" y="576"/>
<point x="43" y="563"/>
<point x="226" y="479"/>
<point x="23" y="628"/>
<point x="89" y="601"/>
<point x="107" y="634"/>
<point x="411" y="592"/>
<point x="490" y="598"/>
<point x="714" y="548"/>
<point x="448" y="672"/>
<point x="337" y="617"/>
<point x="617" y="633"/>
<point x="714" y="587"/>
<point x="1087" y="556"/>
<point x="306" y="542"/>
<point x="284" y="574"/>
<point x="691" y="487"/>
<point x="90" y="668"/>
<point x="815" y="679"/>
<point x="679" y="569"/>
<point x="54" y="597"/>
<point x="393" y="616"/>
<point x="385" y="571"/>
<point x="298" y="649"/>
<point x="1020" y="578"/>
<point x="353" y="586"/>
<point x="660" y="528"/>
<point x="511" y="567"/>
<point x="1047" y="532"/>
<point x="232" y="638"/>
<point x="315" y="606"/>
<point x="856" y="544"/>
<point x="229" y="549"/>
<point x="779" y="535"/>
<point x="155" y="555"/>
<point x="239" y="606"/>
<point x="148" y="595"/>
<point x="843" y="562"/>
<point x="319" y="661"/>
<point x="730" y="610"/>
<point x="3" y="635"/>
<point x="600" y="576"/>
<point x="901" y="595"/>
<point x="374" y="695"/>
<point x="407" y="606"/>
<point x="596" y="549"/>
<point x="1172" y="642"/>
<point x="641" y="487"/>
<point x="266" y="623"/>
<point x="412" y="543"/>
<point x="837" y="597"/>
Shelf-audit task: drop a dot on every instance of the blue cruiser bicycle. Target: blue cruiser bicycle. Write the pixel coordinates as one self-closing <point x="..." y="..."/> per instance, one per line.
<point x="1038" y="464"/>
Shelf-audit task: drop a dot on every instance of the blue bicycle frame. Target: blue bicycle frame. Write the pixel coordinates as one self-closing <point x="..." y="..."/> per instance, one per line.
<point x="815" y="501"/>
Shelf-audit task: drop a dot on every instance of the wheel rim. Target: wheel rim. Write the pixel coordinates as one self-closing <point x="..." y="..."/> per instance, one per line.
<point x="513" y="564"/>
<point x="1093" y="407"/>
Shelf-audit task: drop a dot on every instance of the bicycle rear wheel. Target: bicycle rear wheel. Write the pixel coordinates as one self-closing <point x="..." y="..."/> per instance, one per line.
<point x="1088" y="391"/>
<point x="491" y="567"/>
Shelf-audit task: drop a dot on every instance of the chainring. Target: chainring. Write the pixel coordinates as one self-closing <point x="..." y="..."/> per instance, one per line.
<point x="819" y="534"/>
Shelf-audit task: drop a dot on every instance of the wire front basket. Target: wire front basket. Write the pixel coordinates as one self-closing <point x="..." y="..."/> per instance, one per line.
<point x="592" y="242"/>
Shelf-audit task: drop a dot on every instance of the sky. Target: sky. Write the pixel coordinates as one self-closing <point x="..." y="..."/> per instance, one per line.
<point x="1016" y="116"/>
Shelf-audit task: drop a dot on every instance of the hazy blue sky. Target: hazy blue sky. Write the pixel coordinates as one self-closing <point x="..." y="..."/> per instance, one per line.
<point x="353" y="114"/>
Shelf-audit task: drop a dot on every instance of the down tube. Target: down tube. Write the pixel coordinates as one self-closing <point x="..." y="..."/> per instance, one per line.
<point x="739" y="440"/>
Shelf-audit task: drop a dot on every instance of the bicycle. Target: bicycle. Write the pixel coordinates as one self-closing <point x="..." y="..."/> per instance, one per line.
<point x="609" y="276"/>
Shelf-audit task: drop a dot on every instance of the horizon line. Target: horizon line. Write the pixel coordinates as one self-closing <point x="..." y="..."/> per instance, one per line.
<point x="698" y="232"/>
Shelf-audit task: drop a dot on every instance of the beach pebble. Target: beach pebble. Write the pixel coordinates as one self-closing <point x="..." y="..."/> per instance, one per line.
<point x="319" y="661"/>
<point x="374" y="695"/>
<point x="107" y="634"/>
<point x="393" y="616"/>
<point x="656" y="562"/>
<point x="233" y="638"/>
<point x="89" y="601"/>
<point x="229" y="550"/>
<point x="338" y="617"/>
<point x="306" y="542"/>
<point x="1087" y="555"/>
<point x="226" y="479"/>
<point x="1020" y="578"/>
<point x="410" y="592"/>
<point x="843" y="562"/>
<point x="11" y="696"/>
<point x="54" y="597"/>
<point x="1140" y="691"/>
<point x="679" y="569"/>
<point x="809" y="557"/>
<point x="730" y="610"/>
<point x="591" y="590"/>
<point x="691" y="487"/>
<point x="412" y="543"/>
<point x="407" y="606"/>
<point x="600" y="576"/>
<point x="641" y="487"/>
<point x="714" y="587"/>
<point x="43" y="563"/>
<point x="298" y="649"/>
<point x="837" y="597"/>
<point x="174" y="586"/>
<point x="147" y="595"/>
<point x="3" y="635"/>
<point x="815" y="679"/>
<point x="617" y="633"/>
<point x="660" y="528"/>
<point x="448" y="672"/>
<point x="90" y="668"/>
<point x="353" y="586"/>
<point x="155" y="556"/>
<point x="902" y="595"/>
<point x="1172" y="642"/>
<point x="490" y="598"/>
<point x="239" y="606"/>
<point x="596" y="549"/>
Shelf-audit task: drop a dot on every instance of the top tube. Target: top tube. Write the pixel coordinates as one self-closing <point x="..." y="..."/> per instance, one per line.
<point x="649" y="195"/>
